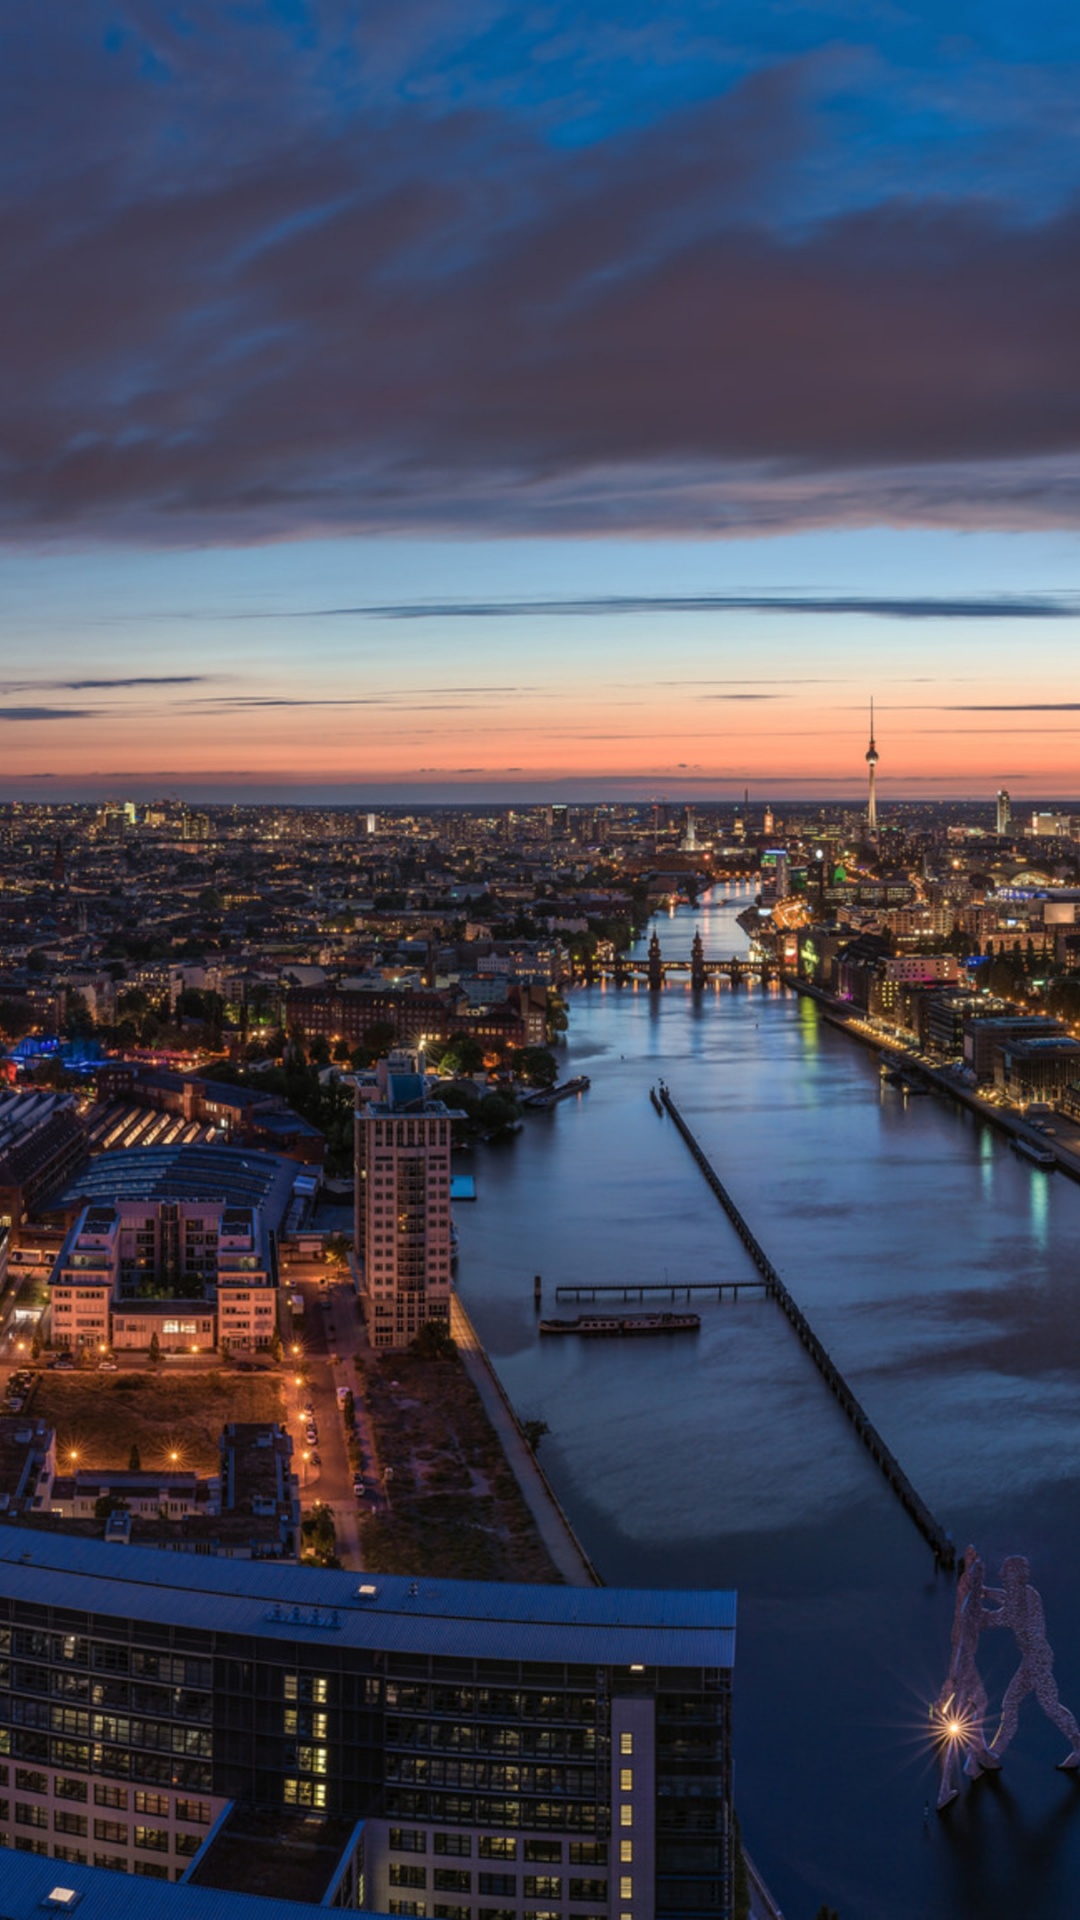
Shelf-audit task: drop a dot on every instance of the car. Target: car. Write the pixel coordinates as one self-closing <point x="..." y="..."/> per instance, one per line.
<point x="358" y="1488"/>
<point x="316" y="1460"/>
<point x="342" y="1396"/>
<point x="312" y="1436"/>
<point x="106" y="1366"/>
<point x="64" y="1362"/>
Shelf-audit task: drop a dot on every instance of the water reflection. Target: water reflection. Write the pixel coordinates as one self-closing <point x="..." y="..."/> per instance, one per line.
<point x="936" y="1266"/>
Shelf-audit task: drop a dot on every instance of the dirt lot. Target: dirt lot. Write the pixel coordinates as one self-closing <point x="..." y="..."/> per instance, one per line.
<point x="455" y="1507"/>
<point x="104" y="1415"/>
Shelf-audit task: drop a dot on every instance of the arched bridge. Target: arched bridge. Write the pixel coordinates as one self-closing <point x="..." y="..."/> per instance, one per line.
<point x="654" y="969"/>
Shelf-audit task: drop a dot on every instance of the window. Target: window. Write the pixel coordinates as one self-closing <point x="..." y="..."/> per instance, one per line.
<point x="589" y="1890"/>
<point x="451" y="1880"/>
<point x="407" y="1906"/>
<point x="542" y="1886"/>
<point x="28" y="1816"/>
<point x="152" y="1803"/>
<point x="626" y="1851"/>
<point x="589" y="1853"/>
<point x="503" y="1884"/>
<point x="626" y="1743"/>
<point x="498" y="1848"/>
<point x="152" y="1839"/>
<point x="402" y="1874"/>
<point x="65" y="1787"/>
<point x="451" y="1913"/>
<point x="115" y="1861"/>
<point x="626" y="1887"/>
<point x="411" y="1840"/>
<point x="454" y="1843"/>
<point x="187" y="1843"/>
<point x="151" y="1870"/>
<point x="108" y="1796"/>
<point x="64" y="1822"/>
<point x="28" y="1782"/>
<point x="195" y="1811"/>
<point x="626" y="1779"/>
<point x="112" y="1830"/>
<point x="550" y="1850"/>
<point x="626" y="1816"/>
<point x="304" y="1793"/>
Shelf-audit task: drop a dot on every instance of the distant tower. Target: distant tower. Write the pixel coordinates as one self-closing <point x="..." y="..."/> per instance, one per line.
<point x="697" y="962"/>
<point x="767" y="822"/>
<point x="871" y="761"/>
<point x="58" y="867"/>
<point x="1004" y="813"/>
<point x="688" y="843"/>
<point x="656" y="965"/>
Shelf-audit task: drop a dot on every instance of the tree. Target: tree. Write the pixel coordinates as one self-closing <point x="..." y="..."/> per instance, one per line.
<point x="433" y="1342"/>
<point x="534" y="1431"/>
<point x="155" y="1348"/>
<point x="348" y="1410"/>
<point x="277" y="1349"/>
<point x="135" y="1460"/>
<point x="337" y="1250"/>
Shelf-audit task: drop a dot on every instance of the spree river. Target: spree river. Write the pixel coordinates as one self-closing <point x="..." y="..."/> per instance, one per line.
<point x="941" y="1273"/>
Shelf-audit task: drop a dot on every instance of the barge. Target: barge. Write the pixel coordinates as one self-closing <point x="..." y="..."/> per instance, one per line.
<point x="608" y="1325"/>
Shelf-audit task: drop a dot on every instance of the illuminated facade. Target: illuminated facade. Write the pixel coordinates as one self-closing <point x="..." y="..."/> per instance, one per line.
<point x="515" y="1752"/>
<point x="403" y="1236"/>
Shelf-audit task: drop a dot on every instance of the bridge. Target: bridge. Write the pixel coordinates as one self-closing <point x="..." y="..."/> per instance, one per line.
<point x="656" y="970"/>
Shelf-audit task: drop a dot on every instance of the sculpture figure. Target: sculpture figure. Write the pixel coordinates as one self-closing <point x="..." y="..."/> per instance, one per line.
<point x="1021" y="1609"/>
<point x="961" y="1705"/>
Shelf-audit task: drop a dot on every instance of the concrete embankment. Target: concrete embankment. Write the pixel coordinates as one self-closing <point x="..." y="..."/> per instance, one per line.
<point x="552" y="1524"/>
<point x="839" y="1014"/>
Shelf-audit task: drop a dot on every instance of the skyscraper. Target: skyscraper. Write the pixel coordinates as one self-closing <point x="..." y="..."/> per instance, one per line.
<point x="871" y="761"/>
<point x="403" y="1207"/>
<point x="1004" y="813"/>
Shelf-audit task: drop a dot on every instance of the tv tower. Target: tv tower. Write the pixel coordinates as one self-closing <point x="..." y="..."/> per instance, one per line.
<point x="871" y="761"/>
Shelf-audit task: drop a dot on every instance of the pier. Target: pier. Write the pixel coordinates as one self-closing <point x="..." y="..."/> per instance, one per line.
<point x="665" y="1289"/>
<point x="935" y="1535"/>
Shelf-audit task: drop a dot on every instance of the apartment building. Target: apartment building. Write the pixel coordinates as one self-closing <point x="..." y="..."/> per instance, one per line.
<point x="514" y="1752"/>
<point x="403" y="1235"/>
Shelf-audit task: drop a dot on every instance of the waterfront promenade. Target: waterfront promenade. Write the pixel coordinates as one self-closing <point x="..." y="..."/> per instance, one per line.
<point x="559" y="1538"/>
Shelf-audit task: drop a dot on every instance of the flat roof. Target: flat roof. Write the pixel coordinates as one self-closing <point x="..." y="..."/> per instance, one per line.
<point x="237" y="1175"/>
<point x="464" y="1619"/>
<point x="26" y="1882"/>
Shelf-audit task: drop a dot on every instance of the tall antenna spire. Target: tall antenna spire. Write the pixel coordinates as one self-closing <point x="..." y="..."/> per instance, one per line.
<point x="871" y="761"/>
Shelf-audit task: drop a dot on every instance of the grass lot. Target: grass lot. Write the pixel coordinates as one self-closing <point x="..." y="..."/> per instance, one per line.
<point x="456" y="1509"/>
<point x="104" y="1415"/>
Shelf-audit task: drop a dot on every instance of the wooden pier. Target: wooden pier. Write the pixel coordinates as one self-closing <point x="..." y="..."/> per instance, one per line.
<point x="666" y="1289"/>
<point x="937" y="1539"/>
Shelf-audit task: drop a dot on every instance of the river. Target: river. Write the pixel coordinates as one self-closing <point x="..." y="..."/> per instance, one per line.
<point x="941" y="1273"/>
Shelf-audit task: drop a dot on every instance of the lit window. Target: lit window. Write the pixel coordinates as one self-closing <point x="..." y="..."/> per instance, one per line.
<point x="626" y="1743"/>
<point x="626" y="1816"/>
<point x="626" y="1851"/>
<point x="626" y="1887"/>
<point x="626" y="1780"/>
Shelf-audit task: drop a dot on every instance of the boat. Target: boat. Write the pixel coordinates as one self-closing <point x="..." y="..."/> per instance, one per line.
<point x="1034" y="1151"/>
<point x="607" y="1325"/>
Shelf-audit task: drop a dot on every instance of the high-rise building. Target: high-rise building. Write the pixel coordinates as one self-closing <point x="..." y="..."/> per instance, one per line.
<point x="402" y="1205"/>
<point x="1004" y="813"/>
<point x="510" y="1749"/>
<point x="871" y="761"/>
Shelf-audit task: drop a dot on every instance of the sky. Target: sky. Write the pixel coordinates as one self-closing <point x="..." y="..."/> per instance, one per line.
<point x="434" y="399"/>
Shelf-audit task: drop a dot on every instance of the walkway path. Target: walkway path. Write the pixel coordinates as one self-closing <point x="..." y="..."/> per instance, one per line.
<point x="552" y="1524"/>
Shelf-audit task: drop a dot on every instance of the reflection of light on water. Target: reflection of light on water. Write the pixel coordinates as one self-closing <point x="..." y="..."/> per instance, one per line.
<point x="986" y="1163"/>
<point x="1040" y="1208"/>
<point x="808" y="1021"/>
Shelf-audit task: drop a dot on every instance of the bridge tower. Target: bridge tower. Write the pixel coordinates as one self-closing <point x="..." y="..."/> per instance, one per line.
<point x="656" y="964"/>
<point x="697" y="962"/>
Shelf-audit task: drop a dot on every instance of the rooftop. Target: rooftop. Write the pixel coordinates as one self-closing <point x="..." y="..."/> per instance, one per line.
<point x="462" y="1618"/>
<point x="30" y="1886"/>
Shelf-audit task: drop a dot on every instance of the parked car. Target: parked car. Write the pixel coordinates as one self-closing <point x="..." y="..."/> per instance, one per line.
<point x="312" y="1436"/>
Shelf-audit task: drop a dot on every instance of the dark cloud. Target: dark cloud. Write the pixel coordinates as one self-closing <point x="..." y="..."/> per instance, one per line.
<point x="1020" y="706"/>
<point x="247" y="294"/>
<point x="48" y="713"/>
<point x="897" y="607"/>
<point x="85" y="686"/>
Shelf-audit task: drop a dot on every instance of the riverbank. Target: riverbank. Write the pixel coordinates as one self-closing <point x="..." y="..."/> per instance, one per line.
<point x="840" y="1014"/>
<point x="560" y="1540"/>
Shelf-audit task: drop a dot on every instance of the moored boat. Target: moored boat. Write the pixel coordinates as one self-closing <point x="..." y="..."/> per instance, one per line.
<point x="607" y="1325"/>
